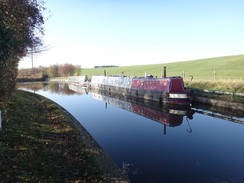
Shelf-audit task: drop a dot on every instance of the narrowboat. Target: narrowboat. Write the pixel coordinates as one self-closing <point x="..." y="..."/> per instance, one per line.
<point x="166" y="89"/>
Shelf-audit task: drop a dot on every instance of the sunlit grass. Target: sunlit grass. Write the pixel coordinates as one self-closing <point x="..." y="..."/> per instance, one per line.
<point x="223" y="85"/>
<point x="226" y="73"/>
<point x="230" y="67"/>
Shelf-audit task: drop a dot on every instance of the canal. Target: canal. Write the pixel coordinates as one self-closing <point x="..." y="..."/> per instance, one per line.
<point x="154" y="143"/>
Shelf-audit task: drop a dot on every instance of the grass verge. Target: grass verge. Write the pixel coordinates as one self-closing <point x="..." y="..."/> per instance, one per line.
<point x="236" y="86"/>
<point x="38" y="143"/>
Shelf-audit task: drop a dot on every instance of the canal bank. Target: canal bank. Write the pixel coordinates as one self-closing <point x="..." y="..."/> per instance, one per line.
<point x="112" y="172"/>
<point x="228" y="100"/>
<point x="41" y="141"/>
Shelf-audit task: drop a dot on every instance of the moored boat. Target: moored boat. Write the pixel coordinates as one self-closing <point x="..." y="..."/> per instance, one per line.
<point x="166" y="89"/>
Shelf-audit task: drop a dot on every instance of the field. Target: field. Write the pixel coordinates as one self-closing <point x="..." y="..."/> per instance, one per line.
<point x="226" y="68"/>
<point x="221" y="73"/>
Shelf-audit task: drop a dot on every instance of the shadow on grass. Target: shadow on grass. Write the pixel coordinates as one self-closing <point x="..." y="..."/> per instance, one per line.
<point x="39" y="144"/>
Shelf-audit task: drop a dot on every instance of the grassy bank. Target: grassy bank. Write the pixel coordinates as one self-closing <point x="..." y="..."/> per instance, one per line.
<point x="38" y="143"/>
<point x="221" y="73"/>
<point x="222" y="85"/>
<point x="226" y="68"/>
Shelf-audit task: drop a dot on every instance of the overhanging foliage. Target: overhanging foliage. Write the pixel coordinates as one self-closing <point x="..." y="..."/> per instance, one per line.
<point x="20" y="30"/>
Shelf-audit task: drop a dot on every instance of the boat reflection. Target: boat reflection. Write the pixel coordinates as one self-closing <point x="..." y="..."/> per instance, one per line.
<point x="168" y="115"/>
<point x="78" y="89"/>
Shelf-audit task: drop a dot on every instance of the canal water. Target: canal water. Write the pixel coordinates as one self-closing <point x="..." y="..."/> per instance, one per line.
<point x="153" y="143"/>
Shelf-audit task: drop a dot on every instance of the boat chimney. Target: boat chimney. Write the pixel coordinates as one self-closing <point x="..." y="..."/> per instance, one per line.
<point x="164" y="72"/>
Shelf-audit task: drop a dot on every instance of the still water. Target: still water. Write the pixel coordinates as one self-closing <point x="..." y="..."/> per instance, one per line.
<point x="154" y="144"/>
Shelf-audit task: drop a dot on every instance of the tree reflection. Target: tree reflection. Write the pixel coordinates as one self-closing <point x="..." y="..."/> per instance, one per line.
<point x="60" y="87"/>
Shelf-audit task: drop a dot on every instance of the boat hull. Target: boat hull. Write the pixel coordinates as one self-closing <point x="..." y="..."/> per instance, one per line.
<point x="166" y="90"/>
<point x="139" y="93"/>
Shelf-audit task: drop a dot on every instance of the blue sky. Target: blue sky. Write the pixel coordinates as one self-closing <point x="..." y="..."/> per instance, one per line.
<point x="139" y="32"/>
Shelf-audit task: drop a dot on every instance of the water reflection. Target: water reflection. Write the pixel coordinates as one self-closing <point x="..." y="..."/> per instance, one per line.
<point x="60" y="87"/>
<point x="167" y="115"/>
<point x="232" y="115"/>
<point x="78" y="89"/>
<point x="36" y="86"/>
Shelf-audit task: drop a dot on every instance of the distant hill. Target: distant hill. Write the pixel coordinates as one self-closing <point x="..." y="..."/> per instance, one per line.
<point x="226" y="68"/>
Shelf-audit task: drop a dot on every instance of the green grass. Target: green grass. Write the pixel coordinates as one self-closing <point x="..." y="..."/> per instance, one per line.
<point x="226" y="68"/>
<point x="223" y="85"/>
<point x="229" y="72"/>
<point x="38" y="143"/>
